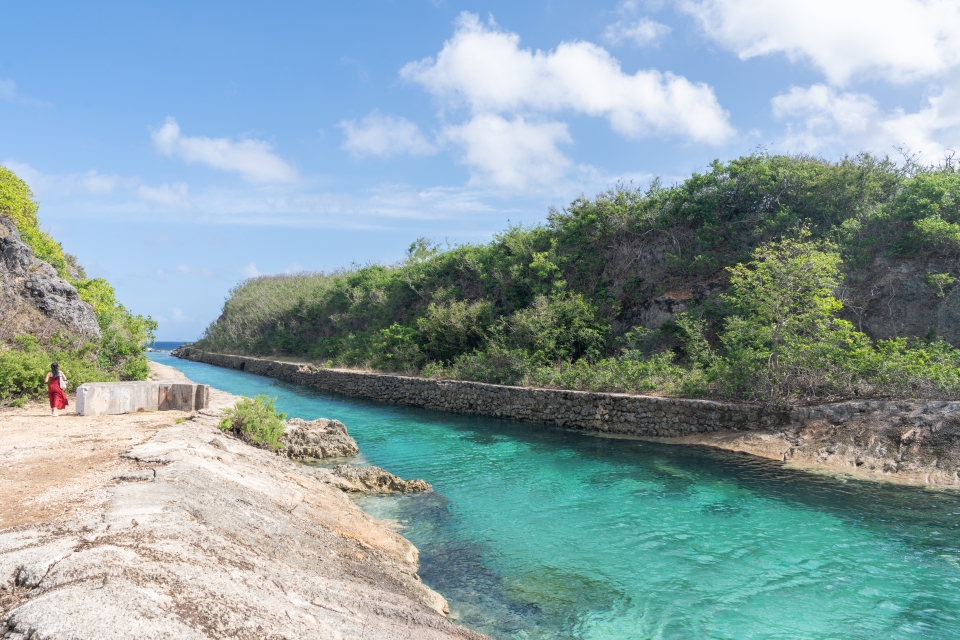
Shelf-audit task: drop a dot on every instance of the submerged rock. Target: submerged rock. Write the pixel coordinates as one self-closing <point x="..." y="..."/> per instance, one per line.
<point x="320" y="438"/>
<point x="372" y="480"/>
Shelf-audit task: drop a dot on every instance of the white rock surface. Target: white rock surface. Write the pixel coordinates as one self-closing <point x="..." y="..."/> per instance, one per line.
<point x="213" y="538"/>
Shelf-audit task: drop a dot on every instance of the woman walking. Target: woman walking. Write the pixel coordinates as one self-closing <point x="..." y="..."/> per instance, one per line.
<point x="56" y="383"/>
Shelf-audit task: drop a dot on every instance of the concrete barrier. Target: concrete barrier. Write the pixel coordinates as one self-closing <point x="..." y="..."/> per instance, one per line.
<point x="112" y="398"/>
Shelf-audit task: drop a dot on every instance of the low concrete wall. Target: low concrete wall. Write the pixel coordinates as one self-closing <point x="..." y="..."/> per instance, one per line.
<point x="112" y="398"/>
<point x="609" y="412"/>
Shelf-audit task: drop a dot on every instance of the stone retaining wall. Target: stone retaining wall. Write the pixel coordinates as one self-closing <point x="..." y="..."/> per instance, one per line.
<point x="608" y="412"/>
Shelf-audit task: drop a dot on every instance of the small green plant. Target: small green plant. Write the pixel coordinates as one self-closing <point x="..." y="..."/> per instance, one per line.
<point x="256" y="419"/>
<point x="19" y="402"/>
<point x="940" y="282"/>
<point x="178" y="421"/>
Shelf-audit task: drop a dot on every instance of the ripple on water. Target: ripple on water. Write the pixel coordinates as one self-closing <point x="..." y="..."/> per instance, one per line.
<point x="537" y="532"/>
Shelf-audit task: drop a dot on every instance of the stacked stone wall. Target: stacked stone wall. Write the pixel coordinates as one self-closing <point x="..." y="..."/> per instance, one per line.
<point x="609" y="412"/>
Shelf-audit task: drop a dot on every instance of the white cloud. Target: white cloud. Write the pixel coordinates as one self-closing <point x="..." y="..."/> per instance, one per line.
<point x="514" y="153"/>
<point x="179" y="317"/>
<point x="378" y="135"/>
<point x="250" y="270"/>
<point x="91" y="181"/>
<point x="8" y="93"/>
<point x="638" y="32"/>
<point x="252" y="159"/>
<point x="172" y="196"/>
<point x="821" y="118"/>
<point x="897" y="40"/>
<point x="485" y="69"/>
<point x="197" y="272"/>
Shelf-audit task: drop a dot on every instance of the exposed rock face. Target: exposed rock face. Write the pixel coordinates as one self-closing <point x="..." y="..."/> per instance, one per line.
<point x="898" y="300"/>
<point x="371" y="480"/>
<point x="320" y="438"/>
<point x="206" y="537"/>
<point x="33" y="298"/>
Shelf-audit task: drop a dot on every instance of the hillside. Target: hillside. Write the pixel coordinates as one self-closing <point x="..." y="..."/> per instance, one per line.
<point x="50" y="310"/>
<point x="772" y="278"/>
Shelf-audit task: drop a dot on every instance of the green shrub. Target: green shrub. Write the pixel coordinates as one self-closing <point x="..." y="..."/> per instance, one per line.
<point x="940" y="282"/>
<point x="448" y="330"/>
<point x="556" y="328"/>
<point x="494" y="365"/>
<point x="18" y="204"/>
<point x="256" y="419"/>
<point x="24" y="366"/>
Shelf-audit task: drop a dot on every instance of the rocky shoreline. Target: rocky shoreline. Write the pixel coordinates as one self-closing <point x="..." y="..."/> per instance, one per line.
<point x="910" y="442"/>
<point x="201" y="535"/>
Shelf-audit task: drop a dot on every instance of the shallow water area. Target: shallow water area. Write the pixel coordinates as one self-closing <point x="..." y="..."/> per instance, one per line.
<point x="538" y="532"/>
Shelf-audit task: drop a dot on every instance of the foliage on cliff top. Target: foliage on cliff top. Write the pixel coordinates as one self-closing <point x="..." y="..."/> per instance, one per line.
<point x="564" y="303"/>
<point x="119" y="354"/>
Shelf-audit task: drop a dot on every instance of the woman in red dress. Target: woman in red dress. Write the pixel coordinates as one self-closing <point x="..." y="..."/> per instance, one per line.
<point x="56" y="383"/>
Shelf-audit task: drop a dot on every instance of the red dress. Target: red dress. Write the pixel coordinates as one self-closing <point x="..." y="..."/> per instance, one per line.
<point x="58" y="399"/>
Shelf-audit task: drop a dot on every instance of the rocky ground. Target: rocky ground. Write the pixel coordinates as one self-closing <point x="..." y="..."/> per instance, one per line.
<point x="158" y="525"/>
<point x="914" y="443"/>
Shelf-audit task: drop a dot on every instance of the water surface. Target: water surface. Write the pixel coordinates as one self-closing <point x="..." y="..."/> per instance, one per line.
<point x="538" y="532"/>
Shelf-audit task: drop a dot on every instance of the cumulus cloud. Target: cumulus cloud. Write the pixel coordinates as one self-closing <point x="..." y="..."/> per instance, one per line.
<point x="254" y="160"/>
<point x="170" y="195"/>
<point x="8" y="93"/>
<point x="250" y="270"/>
<point x="638" y="32"/>
<point x="378" y="135"/>
<point x="513" y="153"/>
<point x="486" y="70"/>
<point x="898" y="40"/>
<point x="822" y="118"/>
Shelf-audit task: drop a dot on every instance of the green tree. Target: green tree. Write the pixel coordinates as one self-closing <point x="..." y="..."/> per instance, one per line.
<point x="782" y="337"/>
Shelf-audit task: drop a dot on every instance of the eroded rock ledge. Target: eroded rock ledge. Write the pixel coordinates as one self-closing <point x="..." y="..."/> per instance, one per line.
<point x="208" y="537"/>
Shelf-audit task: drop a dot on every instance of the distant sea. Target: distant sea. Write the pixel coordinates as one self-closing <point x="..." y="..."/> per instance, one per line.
<point x="166" y="346"/>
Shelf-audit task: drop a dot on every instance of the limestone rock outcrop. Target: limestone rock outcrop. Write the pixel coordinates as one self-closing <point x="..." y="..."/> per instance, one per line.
<point x="371" y="480"/>
<point x="34" y="300"/>
<point x="320" y="438"/>
<point x="206" y="537"/>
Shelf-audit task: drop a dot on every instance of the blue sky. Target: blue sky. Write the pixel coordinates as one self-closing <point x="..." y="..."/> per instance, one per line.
<point x="179" y="148"/>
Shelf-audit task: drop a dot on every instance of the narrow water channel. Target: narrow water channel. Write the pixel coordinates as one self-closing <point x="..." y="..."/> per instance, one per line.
<point x="538" y="532"/>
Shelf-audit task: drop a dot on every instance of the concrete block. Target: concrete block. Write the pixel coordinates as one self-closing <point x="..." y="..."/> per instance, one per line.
<point x="202" y="399"/>
<point x="173" y="396"/>
<point x="111" y="398"/>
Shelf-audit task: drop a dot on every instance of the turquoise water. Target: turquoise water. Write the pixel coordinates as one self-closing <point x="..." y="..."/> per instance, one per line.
<point x="538" y="532"/>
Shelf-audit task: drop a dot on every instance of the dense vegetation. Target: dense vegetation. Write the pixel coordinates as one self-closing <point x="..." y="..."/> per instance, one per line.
<point x="762" y="246"/>
<point x="118" y="354"/>
<point x="255" y="419"/>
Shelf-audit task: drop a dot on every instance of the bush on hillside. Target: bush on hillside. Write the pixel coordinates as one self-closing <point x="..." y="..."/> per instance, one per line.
<point x="561" y="304"/>
<point x="25" y="364"/>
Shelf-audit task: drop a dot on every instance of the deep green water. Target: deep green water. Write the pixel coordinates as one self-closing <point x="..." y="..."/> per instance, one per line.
<point x="538" y="532"/>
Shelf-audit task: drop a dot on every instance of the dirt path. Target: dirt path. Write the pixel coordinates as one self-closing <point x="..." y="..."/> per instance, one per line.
<point x="54" y="467"/>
